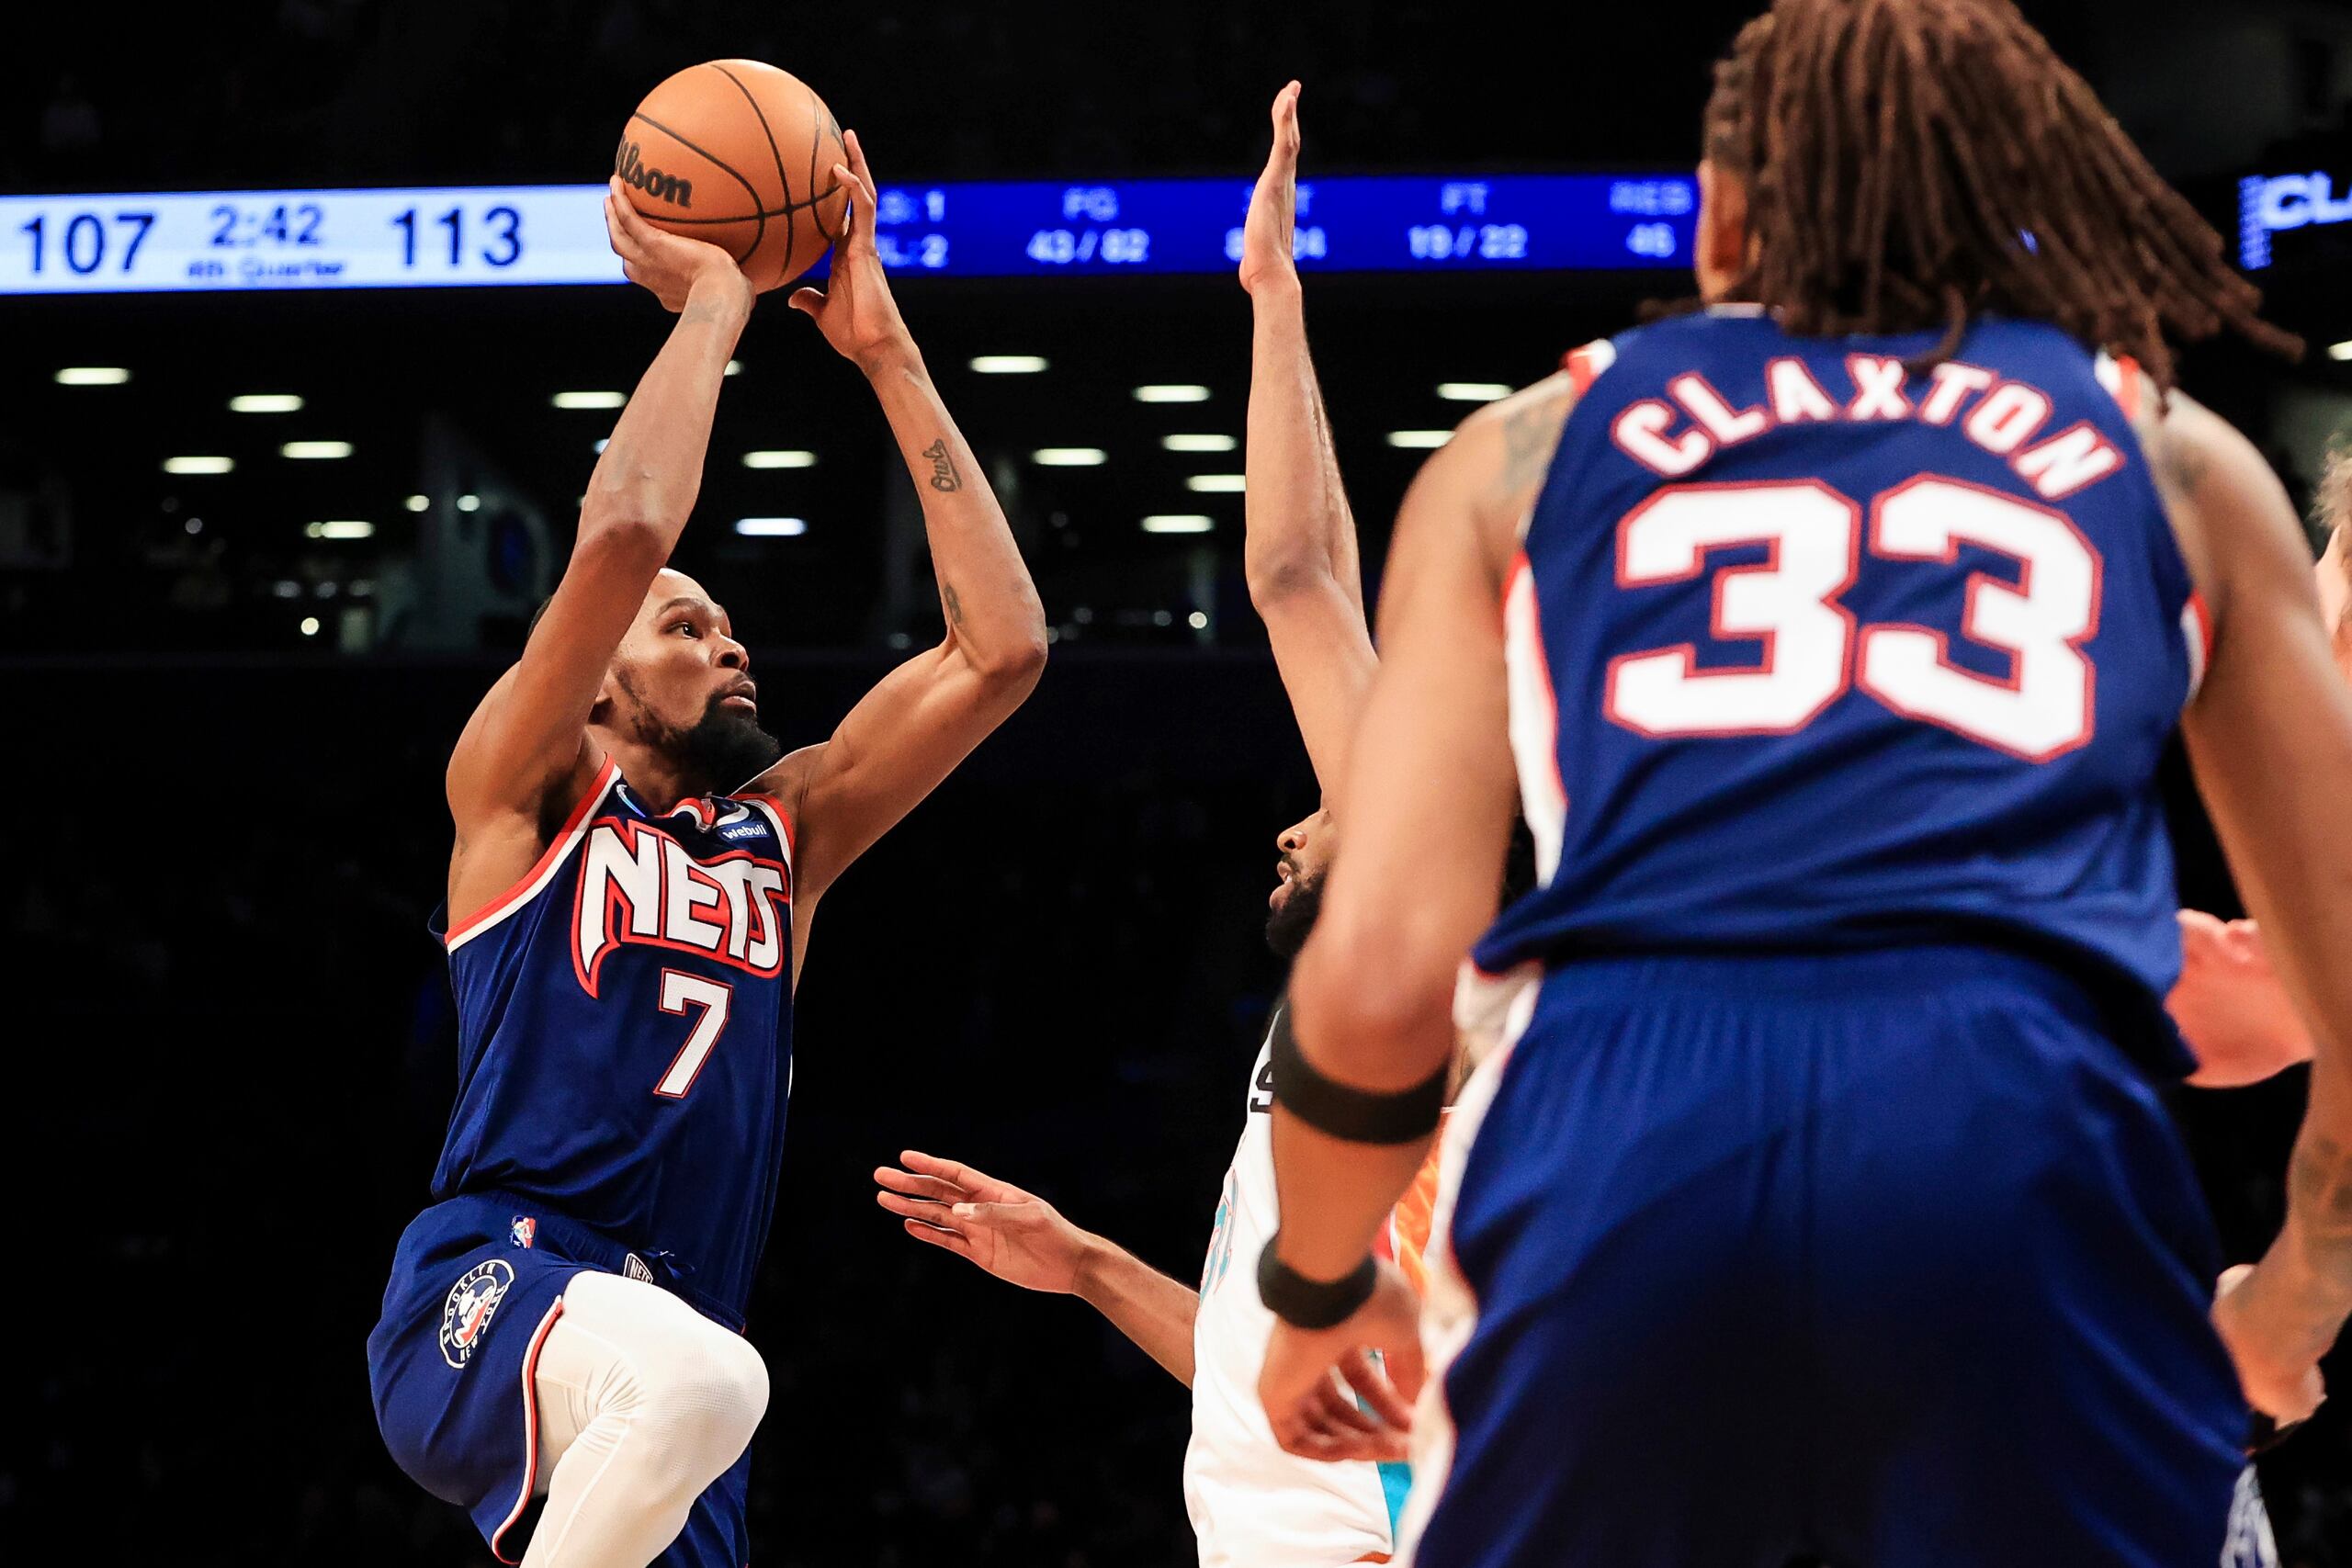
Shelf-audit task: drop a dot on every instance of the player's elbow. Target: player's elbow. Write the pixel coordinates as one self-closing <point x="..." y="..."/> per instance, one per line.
<point x="1011" y="665"/>
<point x="623" y="534"/>
<point x="1381" y="999"/>
<point x="1281" y="578"/>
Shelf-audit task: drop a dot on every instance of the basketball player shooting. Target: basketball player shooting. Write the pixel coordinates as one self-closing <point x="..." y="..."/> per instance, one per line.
<point x="1825" y="1206"/>
<point x="1251" y="1502"/>
<point x="633" y="879"/>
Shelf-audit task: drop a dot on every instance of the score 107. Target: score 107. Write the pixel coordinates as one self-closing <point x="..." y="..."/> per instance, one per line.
<point x="80" y="242"/>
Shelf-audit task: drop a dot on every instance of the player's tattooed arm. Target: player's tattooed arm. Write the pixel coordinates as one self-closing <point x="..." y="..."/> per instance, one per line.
<point x="927" y="714"/>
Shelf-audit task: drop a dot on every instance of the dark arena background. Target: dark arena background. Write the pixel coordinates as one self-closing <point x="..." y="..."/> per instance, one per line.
<point x="232" y="683"/>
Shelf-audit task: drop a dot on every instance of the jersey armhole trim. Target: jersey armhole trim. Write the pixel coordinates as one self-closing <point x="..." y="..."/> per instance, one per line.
<point x="1585" y="365"/>
<point x="2196" y="631"/>
<point x="514" y="898"/>
<point x="531" y="1431"/>
<point x="780" y="820"/>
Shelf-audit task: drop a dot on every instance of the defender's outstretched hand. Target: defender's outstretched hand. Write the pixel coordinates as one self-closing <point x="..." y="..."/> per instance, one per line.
<point x="1266" y="232"/>
<point x="854" y="309"/>
<point x="670" y="264"/>
<point x="1326" y="1394"/>
<point x="1015" y="1235"/>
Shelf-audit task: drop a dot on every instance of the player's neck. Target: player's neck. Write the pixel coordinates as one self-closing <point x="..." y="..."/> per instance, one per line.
<point x="654" y="778"/>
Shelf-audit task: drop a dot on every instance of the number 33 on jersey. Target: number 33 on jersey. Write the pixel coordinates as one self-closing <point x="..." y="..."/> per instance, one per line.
<point x="1810" y="613"/>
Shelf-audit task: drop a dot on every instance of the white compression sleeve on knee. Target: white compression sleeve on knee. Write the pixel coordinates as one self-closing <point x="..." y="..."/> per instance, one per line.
<point x="643" y="1403"/>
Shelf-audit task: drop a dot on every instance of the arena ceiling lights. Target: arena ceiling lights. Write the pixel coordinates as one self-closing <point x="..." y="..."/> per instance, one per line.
<point x="771" y="527"/>
<point x="265" y="403"/>
<point x="1217" y="484"/>
<point x="1179" y="522"/>
<point x="92" y="376"/>
<point x="307" y="451"/>
<point x="779" y="457"/>
<point x="591" y="399"/>
<point x="1008" y="363"/>
<point x="1069" y="457"/>
<point x="1198" y="444"/>
<point x="1419" y="440"/>
<point x="199" y="465"/>
<point x="1473" y="392"/>
<point x="1172" y="393"/>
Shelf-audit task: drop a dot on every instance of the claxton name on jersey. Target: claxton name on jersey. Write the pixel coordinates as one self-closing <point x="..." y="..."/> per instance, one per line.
<point x="639" y="887"/>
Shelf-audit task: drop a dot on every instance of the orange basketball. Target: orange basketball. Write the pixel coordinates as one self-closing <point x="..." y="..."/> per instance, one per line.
<point x="741" y="154"/>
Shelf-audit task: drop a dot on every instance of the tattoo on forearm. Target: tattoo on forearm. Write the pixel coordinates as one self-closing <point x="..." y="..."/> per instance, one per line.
<point x="2319" y="1193"/>
<point x="943" y="467"/>
<point x="1530" y="437"/>
<point x="955" y="605"/>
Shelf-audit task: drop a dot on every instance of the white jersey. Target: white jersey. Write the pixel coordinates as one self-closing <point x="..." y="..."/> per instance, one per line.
<point x="1252" y="1504"/>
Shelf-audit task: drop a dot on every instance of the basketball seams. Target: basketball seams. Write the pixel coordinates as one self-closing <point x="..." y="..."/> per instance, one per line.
<point x="784" y="181"/>
<point x="758" y="212"/>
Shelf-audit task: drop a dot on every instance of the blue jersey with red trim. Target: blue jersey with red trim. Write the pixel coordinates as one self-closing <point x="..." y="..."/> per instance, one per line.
<point x="1808" y="651"/>
<point x="625" y="1025"/>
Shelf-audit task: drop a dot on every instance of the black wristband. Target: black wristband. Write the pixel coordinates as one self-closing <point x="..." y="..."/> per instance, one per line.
<point x="1342" y="1111"/>
<point x="1311" y="1304"/>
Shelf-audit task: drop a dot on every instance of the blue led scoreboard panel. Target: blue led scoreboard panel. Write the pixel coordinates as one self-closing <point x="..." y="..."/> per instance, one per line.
<point x="462" y="236"/>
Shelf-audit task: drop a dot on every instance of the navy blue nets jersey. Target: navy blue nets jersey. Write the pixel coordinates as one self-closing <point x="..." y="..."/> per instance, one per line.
<point x="624" y="1022"/>
<point x="1807" y="651"/>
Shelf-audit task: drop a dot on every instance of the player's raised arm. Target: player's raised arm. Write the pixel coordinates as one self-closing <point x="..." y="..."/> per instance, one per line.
<point x="2270" y="737"/>
<point x="1429" y="800"/>
<point x="1300" y="555"/>
<point x="1024" y="1241"/>
<point x="527" y="744"/>
<point x="927" y="714"/>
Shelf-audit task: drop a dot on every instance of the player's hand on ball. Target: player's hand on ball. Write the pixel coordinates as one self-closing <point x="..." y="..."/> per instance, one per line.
<point x="1266" y="232"/>
<point x="667" y="264"/>
<point x="1015" y="1235"/>
<point x="2287" y="1390"/>
<point x="1326" y="1394"/>
<point x="854" y="309"/>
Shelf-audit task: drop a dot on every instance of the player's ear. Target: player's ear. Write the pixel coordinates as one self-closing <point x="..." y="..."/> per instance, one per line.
<point x="1724" y="246"/>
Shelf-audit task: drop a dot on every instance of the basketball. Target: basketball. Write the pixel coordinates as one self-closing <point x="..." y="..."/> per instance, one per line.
<point x="741" y="154"/>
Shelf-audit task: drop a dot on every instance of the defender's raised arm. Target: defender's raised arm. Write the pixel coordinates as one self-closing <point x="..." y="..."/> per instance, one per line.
<point x="1299" y="552"/>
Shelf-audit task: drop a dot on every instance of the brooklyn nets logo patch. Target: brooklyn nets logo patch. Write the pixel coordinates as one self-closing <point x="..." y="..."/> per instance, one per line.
<point x="473" y="1302"/>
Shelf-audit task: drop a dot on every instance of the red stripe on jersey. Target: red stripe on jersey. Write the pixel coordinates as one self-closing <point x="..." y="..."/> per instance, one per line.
<point x="530" y="1429"/>
<point x="459" y="930"/>
<point x="1582" y="373"/>
<point x="791" y="837"/>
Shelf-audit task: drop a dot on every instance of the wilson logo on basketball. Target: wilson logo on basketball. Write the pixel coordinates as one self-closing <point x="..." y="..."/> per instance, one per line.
<point x="630" y="165"/>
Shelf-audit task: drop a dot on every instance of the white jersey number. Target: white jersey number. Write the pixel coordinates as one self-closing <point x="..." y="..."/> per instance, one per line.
<point x="1790" y="603"/>
<point x="679" y="992"/>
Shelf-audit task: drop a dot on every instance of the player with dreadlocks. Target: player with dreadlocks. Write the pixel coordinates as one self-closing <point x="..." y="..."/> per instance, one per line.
<point x="1822" y="1204"/>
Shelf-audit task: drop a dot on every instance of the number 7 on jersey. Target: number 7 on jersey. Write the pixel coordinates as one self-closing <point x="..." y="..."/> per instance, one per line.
<point x="679" y="991"/>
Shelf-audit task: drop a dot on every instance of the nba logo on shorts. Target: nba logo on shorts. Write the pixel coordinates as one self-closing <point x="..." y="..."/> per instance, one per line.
<point x="525" y="1230"/>
<point x="473" y="1302"/>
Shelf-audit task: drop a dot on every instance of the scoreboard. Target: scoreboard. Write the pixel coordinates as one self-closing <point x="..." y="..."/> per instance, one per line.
<point x="532" y="235"/>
